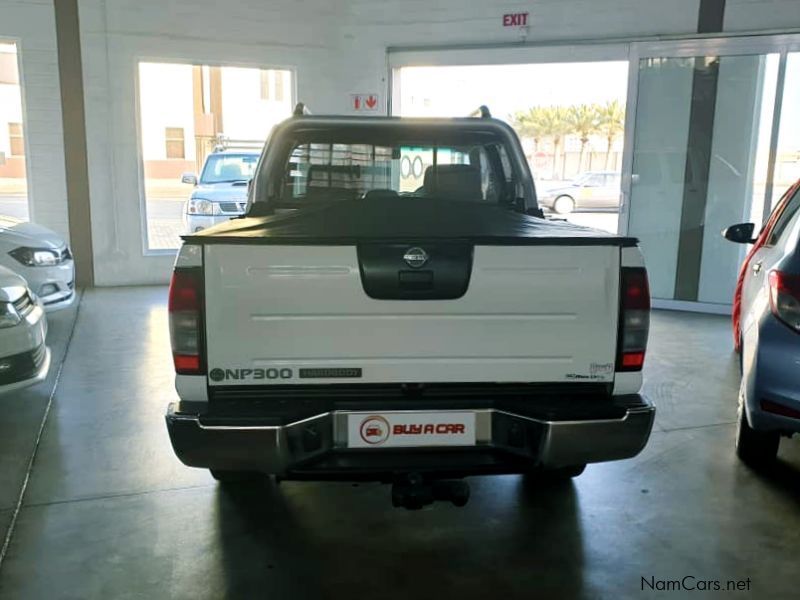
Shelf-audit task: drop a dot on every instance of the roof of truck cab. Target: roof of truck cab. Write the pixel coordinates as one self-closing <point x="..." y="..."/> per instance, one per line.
<point x="332" y="121"/>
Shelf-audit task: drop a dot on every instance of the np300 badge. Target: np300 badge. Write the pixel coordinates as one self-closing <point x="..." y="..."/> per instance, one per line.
<point x="415" y="257"/>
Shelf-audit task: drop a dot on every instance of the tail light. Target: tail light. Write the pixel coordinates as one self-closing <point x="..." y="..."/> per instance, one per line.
<point x="784" y="298"/>
<point x="186" y="321"/>
<point x="634" y="319"/>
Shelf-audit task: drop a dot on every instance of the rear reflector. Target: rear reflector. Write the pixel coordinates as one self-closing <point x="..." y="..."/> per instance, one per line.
<point x="634" y="319"/>
<point x="632" y="360"/>
<point x="185" y="321"/>
<point x="779" y="409"/>
<point x="784" y="298"/>
<point x="186" y="363"/>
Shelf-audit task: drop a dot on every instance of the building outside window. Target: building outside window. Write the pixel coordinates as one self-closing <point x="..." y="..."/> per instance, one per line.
<point x="16" y="139"/>
<point x="175" y="143"/>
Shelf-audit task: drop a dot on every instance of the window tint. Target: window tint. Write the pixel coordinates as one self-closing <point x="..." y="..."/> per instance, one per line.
<point x="781" y="225"/>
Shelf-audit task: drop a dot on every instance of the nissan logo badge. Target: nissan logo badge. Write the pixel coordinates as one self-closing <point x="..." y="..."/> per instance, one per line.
<point x="415" y="257"/>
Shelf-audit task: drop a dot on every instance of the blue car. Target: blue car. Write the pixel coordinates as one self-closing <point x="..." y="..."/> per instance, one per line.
<point x="769" y="400"/>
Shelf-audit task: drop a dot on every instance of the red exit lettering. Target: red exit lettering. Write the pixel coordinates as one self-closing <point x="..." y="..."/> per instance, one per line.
<point x="515" y="19"/>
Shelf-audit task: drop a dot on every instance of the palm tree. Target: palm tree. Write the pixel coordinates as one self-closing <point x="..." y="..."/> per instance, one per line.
<point x="611" y="123"/>
<point x="555" y="125"/>
<point x="583" y="120"/>
<point x="530" y="123"/>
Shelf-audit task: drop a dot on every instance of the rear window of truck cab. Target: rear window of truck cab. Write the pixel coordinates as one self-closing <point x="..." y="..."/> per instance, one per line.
<point x="362" y="163"/>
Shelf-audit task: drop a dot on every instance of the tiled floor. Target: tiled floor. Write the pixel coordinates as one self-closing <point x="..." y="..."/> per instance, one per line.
<point x="109" y="512"/>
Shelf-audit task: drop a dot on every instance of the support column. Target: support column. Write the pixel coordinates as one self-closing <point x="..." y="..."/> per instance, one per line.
<point x="70" y="74"/>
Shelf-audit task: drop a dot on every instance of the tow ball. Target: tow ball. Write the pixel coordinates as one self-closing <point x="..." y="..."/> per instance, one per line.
<point x="412" y="491"/>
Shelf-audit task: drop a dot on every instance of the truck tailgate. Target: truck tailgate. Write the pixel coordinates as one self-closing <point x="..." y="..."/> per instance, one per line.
<point x="291" y="314"/>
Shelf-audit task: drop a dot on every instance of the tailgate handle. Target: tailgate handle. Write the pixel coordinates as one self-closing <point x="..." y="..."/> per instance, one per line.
<point x="415" y="280"/>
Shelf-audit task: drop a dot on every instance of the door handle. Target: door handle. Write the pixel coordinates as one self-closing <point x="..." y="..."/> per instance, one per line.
<point x="757" y="267"/>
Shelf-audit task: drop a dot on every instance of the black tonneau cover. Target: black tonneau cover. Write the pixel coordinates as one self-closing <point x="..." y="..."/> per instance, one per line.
<point x="404" y="219"/>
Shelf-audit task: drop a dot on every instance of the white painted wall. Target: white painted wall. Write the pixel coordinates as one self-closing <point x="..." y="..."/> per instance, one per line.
<point x="31" y="24"/>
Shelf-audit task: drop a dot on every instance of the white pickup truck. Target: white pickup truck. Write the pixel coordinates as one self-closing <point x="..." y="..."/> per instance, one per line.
<point x="394" y="307"/>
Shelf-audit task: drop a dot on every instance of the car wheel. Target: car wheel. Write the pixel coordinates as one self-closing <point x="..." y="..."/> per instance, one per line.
<point x="755" y="448"/>
<point x="235" y="477"/>
<point x="564" y="205"/>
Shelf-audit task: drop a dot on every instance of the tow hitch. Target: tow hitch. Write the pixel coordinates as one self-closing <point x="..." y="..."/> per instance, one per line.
<point x="413" y="492"/>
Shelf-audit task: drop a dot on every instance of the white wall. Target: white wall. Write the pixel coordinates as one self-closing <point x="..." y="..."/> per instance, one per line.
<point x="31" y="23"/>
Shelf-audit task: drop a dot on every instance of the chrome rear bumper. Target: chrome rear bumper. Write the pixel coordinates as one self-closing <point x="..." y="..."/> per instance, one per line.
<point x="515" y="442"/>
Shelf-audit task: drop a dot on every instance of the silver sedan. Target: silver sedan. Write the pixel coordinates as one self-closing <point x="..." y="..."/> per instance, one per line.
<point x="42" y="258"/>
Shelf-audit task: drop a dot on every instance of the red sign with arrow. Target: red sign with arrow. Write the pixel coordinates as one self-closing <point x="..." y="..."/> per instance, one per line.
<point x="365" y="102"/>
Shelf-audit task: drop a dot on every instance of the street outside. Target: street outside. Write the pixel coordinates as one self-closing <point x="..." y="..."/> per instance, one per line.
<point x="14" y="205"/>
<point x="165" y="222"/>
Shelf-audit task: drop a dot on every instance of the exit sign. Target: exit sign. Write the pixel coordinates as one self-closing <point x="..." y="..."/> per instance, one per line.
<point x="515" y="19"/>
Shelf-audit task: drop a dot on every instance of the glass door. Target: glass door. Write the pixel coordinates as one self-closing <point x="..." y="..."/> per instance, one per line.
<point x="700" y="162"/>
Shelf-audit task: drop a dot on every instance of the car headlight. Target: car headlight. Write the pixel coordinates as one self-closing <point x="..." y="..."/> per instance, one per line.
<point x="8" y="315"/>
<point x="36" y="257"/>
<point x="201" y="206"/>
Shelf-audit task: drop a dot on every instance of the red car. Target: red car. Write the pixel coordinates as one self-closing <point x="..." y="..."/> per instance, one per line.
<point x="765" y="234"/>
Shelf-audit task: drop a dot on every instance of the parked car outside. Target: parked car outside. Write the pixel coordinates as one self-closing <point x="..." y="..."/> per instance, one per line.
<point x="593" y="189"/>
<point x="769" y="323"/>
<point x="24" y="357"/>
<point x="221" y="192"/>
<point x="42" y="257"/>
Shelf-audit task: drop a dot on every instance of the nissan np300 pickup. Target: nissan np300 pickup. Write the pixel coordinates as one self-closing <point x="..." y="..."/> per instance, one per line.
<point x="394" y="307"/>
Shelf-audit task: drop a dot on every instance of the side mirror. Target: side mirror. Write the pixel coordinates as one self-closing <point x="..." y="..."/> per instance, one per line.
<point x="189" y="178"/>
<point x="741" y="233"/>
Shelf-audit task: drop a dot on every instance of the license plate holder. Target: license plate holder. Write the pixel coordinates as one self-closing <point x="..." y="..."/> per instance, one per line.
<point x="407" y="429"/>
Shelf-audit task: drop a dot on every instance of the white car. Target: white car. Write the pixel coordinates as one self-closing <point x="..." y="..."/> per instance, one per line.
<point x="42" y="258"/>
<point x="24" y="357"/>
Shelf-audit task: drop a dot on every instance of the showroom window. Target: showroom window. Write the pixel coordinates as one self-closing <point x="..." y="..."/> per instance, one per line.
<point x="570" y="118"/>
<point x="13" y="176"/>
<point x="189" y="113"/>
